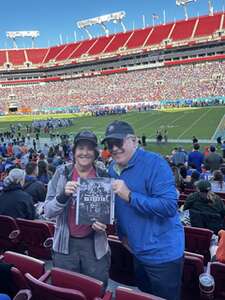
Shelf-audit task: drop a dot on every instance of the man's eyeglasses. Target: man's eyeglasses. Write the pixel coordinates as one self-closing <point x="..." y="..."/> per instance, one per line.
<point x="114" y="142"/>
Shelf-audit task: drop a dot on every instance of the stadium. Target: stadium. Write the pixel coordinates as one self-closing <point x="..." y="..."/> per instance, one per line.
<point x="167" y="81"/>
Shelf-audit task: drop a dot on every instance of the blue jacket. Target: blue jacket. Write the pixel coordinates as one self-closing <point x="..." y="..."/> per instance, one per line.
<point x="150" y="221"/>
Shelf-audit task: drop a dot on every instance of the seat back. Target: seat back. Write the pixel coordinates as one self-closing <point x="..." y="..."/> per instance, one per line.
<point x="193" y="267"/>
<point x="217" y="270"/>
<point x="90" y="287"/>
<point x="21" y="265"/>
<point x="121" y="269"/>
<point x="9" y="233"/>
<point x="197" y="240"/>
<point x="24" y="263"/>
<point x="128" y="294"/>
<point x="34" y="235"/>
<point x="44" y="291"/>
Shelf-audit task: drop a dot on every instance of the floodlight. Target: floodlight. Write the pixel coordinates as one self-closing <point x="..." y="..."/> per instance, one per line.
<point x="22" y="34"/>
<point x="184" y="3"/>
<point x="102" y="20"/>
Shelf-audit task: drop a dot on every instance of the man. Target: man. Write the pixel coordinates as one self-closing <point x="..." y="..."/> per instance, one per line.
<point x="146" y="212"/>
<point x="32" y="186"/>
<point x="79" y="248"/>
<point x="196" y="157"/>
<point x="213" y="161"/>
<point x="179" y="157"/>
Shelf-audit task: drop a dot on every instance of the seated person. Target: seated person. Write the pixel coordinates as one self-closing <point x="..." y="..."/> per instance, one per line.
<point x="207" y="209"/>
<point x="217" y="182"/>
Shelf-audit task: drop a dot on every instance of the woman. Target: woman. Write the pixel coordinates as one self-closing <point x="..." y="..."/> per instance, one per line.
<point x="14" y="201"/>
<point x="217" y="182"/>
<point x="207" y="209"/>
<point x="79" y="248"/>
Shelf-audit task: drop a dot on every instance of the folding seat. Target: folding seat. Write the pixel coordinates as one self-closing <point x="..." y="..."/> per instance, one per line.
<point x="121" y="269"/>
<point x="37" y="237"/>
<point x="45" y="291"/>
<point x="9" y="233"/>
<point x="128" y="294"/>
<point x="197" y="240"/>
<point x="21" y="264"/>
<point x="57" y="279"/>
<point x="217" y="270"/>
<point x="193" y="267"/>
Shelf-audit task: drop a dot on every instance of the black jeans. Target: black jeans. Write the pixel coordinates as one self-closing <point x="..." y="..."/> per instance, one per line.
<point x="162" y="280"/>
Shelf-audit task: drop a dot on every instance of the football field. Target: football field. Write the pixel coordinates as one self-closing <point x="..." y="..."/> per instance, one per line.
<point x="205" y="123"/>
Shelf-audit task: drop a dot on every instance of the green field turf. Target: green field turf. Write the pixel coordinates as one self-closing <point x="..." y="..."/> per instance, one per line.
<point x="180" y="123"/>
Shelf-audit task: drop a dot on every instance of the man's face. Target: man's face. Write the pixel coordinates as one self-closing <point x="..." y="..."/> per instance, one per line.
<point x="122" y="149"/>
<point x="84" y="154"/>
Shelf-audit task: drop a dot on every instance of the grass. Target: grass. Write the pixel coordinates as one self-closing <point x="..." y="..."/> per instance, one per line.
<point x="180" y="123"/>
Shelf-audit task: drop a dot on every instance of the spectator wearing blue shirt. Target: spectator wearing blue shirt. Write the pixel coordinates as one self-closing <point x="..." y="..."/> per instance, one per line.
<point x="196" y="157"/>
<point x="146" y="212"/>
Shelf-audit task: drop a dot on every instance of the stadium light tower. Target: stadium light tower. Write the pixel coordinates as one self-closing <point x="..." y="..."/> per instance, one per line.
<point x="102" y="21"/>
<point x="184" y="3"/>
<point x="21" y="34"/>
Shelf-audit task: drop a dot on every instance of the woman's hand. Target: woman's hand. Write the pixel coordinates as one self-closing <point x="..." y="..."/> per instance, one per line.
<point x="71" y="187"/>
<point x="97" y="226"/>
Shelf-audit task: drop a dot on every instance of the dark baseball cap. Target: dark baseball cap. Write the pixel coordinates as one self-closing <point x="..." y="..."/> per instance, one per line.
<point x="86" y="135"/>
<point x="117" y="130"/>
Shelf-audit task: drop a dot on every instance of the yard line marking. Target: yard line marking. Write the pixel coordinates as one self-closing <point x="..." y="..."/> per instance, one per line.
<point x="195" y="122"/>
<point x="174" y="121"/>
<point x="218" y="128"/>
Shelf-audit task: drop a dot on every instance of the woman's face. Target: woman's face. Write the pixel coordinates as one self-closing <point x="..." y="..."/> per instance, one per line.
<point x="84" y="154"/>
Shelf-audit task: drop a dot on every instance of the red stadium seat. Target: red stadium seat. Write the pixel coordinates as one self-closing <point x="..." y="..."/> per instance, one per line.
<point x="217" y="270"/>
<point x="36" y="237"/>
<point x="193" y="267"/>
<point x="9" y="233"/>
<point x="127" y="294"/>
<point x="45" y="291"/>
<point x="89" y="287"/>
<point x="22" y="264"/>
<point x="197" y="240"/>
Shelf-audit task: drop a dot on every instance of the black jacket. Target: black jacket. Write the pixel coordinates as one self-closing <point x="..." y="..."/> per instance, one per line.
<point x="16" y="203"/>
<point x="35" y="188"/>
<point x="204" y="213"/>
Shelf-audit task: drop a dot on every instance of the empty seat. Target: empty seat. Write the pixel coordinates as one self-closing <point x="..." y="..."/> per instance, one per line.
<point x="197" y="240"/>
<point x="45" y="291"/>
<point x="37" y="238"/>
<point x="217" y="270"/>
<point x="193" y="267"/>
<point x="22" y="264"/>
<point x="89" y="287"/>
<point x="9" y="233"/>
<point x="128" y="294"/>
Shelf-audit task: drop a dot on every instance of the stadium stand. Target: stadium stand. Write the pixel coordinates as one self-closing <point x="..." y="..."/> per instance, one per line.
<point x="175" y="82"/>
<point x="36" y="56"/>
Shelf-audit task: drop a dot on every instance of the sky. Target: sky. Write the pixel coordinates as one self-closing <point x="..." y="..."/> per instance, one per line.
<point x="56" y="20"/>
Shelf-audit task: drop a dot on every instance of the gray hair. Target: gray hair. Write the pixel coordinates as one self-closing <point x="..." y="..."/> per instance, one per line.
<point x="15" y="176"/>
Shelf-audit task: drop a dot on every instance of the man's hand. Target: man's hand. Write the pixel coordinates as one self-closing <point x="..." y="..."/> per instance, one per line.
<point x="120" y="188"/>
<point x="71" y="187"/>
<point x="97" y="226"/>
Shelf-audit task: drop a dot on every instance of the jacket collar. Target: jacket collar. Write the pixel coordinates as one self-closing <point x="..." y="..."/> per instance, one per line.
<point x="130" y="163"/>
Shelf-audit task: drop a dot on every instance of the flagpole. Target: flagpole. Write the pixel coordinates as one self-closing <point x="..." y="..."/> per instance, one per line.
<point x="164" y="17"/>
<point x="143" y="19"/>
